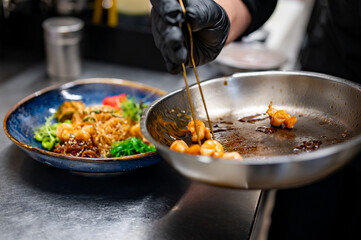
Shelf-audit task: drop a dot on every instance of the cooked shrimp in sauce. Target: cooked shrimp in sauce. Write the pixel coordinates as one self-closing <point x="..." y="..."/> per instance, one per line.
<point x="278" y="117"/>
<point x="209" y="147"/>
<point x="194" y="149"/>
<point x="212" y="148"/>
<point x="179" y="146"/>
<point x="203" y="131"/>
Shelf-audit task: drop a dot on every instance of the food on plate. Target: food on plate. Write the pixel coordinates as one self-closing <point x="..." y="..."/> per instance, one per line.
<point x="114" y="101"/>
<point x="46" y="134"/>
<point x="108" y="130"/>
<point x="278" y="117"/>
<point x="130" y="146"/>
<point x="135" y="131"/>
<point x="67" y="110"/>
<point x="209" y="147"/>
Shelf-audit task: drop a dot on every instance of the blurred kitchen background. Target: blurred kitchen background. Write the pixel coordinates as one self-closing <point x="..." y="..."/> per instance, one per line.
<point x="119" y="32"/>
<point x="114" y="30"/>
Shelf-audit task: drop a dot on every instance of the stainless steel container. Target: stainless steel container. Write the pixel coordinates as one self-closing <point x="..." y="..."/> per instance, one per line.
<point x="62" y="38"/>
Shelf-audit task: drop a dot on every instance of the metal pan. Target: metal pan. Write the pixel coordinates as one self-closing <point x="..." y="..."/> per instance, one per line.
<point x="326" y="136"/>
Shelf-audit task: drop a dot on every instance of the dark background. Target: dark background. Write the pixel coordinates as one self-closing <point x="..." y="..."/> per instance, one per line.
<point x="129" y="43"/>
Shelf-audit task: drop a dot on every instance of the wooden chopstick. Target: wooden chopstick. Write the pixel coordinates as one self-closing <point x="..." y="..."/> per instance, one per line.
<point x="198" y="82"/>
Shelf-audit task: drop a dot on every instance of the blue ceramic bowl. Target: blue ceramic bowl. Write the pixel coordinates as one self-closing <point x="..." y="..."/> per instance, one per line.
<point x="32" y="110"/>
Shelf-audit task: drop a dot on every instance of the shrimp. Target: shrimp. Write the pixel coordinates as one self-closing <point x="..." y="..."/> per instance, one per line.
<point x="84" y="133"/>
<point x="179" y="146"/>
<point x="271" y="111"/>
<point x="232" y="155"/>
<point x="278" y="117"/>
<point x="88" y="128"/>
<point x="63" y="131"/>
<point x="212" y="148"/>
<point x="135" y="131"/>
<point x="203" y="131"/>
<point x="290" y="122"/>
<point x="194" y="149"/>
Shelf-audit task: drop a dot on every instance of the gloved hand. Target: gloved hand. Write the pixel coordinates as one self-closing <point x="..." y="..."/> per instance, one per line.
<point x="209" y="23"/>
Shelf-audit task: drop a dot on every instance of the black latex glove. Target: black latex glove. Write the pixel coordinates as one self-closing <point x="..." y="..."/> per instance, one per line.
<point x="209" y="23"/>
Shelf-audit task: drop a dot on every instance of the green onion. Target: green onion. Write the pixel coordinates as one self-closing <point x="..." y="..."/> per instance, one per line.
<point x="132" y="109"/>
<point x="46" y="134"/>
<point x="88" y="119"/>
<point x="96" y="111"/>
<point x="129" y="146"/>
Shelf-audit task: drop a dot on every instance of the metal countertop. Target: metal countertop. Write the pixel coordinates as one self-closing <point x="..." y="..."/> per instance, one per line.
<point x="42" y="202"/>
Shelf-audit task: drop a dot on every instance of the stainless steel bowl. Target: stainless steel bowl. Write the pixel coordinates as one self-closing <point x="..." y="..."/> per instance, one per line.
<point x="328" y="110"/>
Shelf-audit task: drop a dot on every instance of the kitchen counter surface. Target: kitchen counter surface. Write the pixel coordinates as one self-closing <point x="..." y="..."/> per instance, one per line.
<point x="42" y="202"/>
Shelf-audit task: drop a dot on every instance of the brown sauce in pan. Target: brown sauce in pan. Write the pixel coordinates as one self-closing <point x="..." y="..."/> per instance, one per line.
<point x="253" y="136"/>
<point x="254" y="118"/>
<point x="344" y="134"/>
<point x="159" y="128"/>
<point x="259" y="138"/>
<point x="222" y="126"/>
<point x="217" y="130"/>
<point x="267" y="130"/>
<point x="308" y="146"/>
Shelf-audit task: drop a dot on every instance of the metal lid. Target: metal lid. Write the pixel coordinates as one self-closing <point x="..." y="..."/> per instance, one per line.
<point x="250" y="57"/>
<point x="63" y="24"/>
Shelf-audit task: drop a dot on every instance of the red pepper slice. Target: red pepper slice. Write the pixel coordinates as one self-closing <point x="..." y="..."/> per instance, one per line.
<point x="114" y="101"/>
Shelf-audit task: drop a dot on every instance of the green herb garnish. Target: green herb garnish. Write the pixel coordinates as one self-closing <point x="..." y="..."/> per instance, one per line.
<point x="46" y="134"/>
<point x="88" y="119"/>
<point x="132" y="109"/>
<point x="129" y="146"/>
<point x="96" y="111"/>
